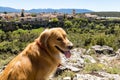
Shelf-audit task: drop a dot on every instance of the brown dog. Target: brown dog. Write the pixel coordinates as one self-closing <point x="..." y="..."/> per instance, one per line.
<point x="40" y="58"/>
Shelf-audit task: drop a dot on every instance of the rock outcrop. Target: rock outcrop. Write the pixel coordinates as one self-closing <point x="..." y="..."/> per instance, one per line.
<point x="81" y="57"/>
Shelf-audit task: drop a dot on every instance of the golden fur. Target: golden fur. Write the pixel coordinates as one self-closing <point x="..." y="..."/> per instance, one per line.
<point x="40" y="58"/>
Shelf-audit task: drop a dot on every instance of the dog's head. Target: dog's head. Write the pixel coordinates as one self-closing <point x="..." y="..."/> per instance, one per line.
<point x="55" y="40"/>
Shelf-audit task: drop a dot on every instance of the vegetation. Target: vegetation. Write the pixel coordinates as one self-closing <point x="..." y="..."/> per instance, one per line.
<point x="14" y="42"/>
<point x="92" y="67"/>
<point x="5" y="58"/>
<point x="107" y="14"/>
<point x="66" y="73"/>
<point x="22" y="13"/>
<point x="113" y="70"/>
<point x="95" y="67"/>
<point x="82" y="32"/>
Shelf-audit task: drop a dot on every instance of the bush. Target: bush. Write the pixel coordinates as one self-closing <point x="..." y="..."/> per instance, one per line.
<point x="91" y="67"/>
<point x="68" y="24"/>
<point x="33" y="15"/>
<point x="113" y="70"/>
<point x="100" y="39"/>
<point x="5" y="58"/>
<point x="16" y="41"/>
<point x="65" y="73"/>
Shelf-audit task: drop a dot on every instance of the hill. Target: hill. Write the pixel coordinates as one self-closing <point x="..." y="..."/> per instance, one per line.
<point x="107" y="14"/>
<point x="60" y="10"/>
<point x="8" y="9"/>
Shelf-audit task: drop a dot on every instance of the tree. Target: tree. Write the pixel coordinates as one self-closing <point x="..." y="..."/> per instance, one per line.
<point x="33" y="15"/>
<point x="22" y="13"/>
<point x="54" y="22"/>
<point x="68" y="24"/>
<point x="5" y="12"/>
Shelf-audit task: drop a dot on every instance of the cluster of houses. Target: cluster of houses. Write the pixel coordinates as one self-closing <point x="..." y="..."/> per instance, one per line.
<point x="45" y="16"/>
<point x="33" y="16"/>
<point x="41" y="16"/>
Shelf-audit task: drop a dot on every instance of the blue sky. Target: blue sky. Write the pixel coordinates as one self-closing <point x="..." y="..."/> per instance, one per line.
<point x="95" y="5"/>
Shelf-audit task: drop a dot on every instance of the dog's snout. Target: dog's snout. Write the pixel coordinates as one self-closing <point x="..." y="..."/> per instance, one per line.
<point x="70" y="46"/>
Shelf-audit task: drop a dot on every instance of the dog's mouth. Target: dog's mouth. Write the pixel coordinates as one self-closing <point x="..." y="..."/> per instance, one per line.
<point x="66" y="53"/>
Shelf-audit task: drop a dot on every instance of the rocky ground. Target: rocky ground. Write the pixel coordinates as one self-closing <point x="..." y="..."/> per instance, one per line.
<point x="96" y="63"/>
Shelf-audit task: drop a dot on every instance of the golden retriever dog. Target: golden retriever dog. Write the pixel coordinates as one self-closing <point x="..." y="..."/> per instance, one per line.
<point x="40" y="58"/>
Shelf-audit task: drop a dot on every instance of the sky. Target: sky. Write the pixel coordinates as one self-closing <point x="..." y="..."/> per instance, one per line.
<point x="95" y="5"/>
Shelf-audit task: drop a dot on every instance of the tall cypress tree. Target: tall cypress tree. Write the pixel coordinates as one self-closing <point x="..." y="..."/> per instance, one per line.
<point x="22" y="13"/>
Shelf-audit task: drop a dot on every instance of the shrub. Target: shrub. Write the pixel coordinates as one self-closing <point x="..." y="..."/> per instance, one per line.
<point x="33" y="15"/>
<point x="68" y="24"/>
<point x="113" y="70"/>
<point x="66" y="73"/>
<point x="91" y="67"/>
<point x="5" y="58"/>
<point x="87" y="60"/>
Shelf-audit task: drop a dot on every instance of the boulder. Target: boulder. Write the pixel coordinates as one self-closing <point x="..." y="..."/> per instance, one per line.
<point x="67" y="78"/>
<point x="118" y="51"/>
<point x="89" y="77"/>
<point x="102" y="49"/>
<point x="118" y="54"/>
<point x="74" y="69"/>
<point x="110" y="76"/>
<point x="90" y="58"/>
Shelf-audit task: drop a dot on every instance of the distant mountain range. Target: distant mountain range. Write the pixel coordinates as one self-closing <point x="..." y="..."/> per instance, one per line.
<point x="8" y="9"/>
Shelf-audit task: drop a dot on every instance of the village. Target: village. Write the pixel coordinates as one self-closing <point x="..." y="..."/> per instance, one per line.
<point x="25" y="16"/>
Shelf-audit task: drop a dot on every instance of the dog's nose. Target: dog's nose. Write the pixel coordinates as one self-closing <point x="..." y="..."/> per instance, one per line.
<point x="70" y="47"/>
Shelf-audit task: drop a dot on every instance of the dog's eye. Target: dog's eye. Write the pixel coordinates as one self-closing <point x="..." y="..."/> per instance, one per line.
<point x="59" y="39"/>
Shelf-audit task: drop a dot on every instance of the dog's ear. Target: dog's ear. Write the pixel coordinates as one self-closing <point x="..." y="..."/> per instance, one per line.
<point x="44" y="37"/>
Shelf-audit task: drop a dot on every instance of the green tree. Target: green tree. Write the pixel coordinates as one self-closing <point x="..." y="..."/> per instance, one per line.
<point x="33" y="15"/>
<point x="5" y="12"/>
<point x="22" y="13"/>
<point x="54" y="20"/>
<point x="68" y="24"/>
